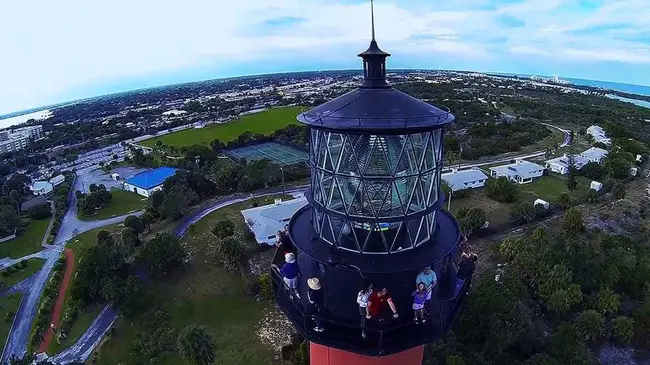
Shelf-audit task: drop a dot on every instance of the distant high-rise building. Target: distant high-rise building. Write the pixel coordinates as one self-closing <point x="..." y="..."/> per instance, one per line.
<point x="19" y="138"/>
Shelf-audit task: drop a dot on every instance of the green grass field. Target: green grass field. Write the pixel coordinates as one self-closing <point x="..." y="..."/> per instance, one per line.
<point x="206" y="294"/>
<point x="550" y="187"/>
<point x="28" y="243"/>
<point x="265" y="122"/>
<point x="8" y="307"/>
<point x="33" y="265"/>
<point x="123" y="202"/>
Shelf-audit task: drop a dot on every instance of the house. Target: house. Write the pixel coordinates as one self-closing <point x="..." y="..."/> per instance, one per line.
<point x="594" y="154"/>
<point x="465" y="179"/>
<point x="599" y="135"/>
<point x="57" y="180"/>
<point x="145" y="183"/>
<point x="521" y="171"/>
<point x="265" y="221"/>
<point x="595" y="185"/>
<point x="560" y="164"/>
<point x="41" y="187"/>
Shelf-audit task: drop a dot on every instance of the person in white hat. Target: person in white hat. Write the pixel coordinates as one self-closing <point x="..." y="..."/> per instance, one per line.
<point x="315" y="298"/>
<point x="290" y="272"/>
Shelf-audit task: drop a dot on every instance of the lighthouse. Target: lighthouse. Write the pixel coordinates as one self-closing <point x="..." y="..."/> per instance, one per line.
<point x="375" y="217"/>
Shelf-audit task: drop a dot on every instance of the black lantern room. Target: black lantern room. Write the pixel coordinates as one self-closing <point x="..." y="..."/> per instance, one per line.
<point x="374" y="214"/>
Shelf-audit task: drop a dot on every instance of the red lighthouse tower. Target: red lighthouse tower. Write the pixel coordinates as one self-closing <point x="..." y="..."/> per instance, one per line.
<point x="375" y="215"/>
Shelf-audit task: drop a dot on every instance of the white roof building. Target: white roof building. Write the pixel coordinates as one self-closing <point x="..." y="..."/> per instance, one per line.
<point x="521" y="171"/>
<point x="265" y="221"/>
<point x="599" y="135"/>
<point x="57" y="180"/>
<point x="465" y="179"/>
<point x="560" y="164"/>
<point x="594" y="154"/>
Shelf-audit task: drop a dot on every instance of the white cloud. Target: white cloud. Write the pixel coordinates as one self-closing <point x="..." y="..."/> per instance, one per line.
<point x="53" y="47"/>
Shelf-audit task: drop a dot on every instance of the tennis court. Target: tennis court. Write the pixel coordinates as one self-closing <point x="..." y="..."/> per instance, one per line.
<point x="279" y="154"/>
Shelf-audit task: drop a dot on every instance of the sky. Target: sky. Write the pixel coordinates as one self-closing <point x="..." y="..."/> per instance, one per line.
<point x="55" y="51"/>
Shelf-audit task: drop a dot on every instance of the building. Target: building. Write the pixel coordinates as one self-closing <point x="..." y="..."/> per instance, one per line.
<point x="521" y="171"/>
<point x="599" y="135"/>
<point x="465" y="179"/>
<point x="41" y="187"/>
<point x="19" y="138"/>
<point x="57" y="180"/>
<point x="145" y="183"/>
<point x="265" y="221"/>
<point x="594" y="154"/>
<point x="374" y="214"/>
<point x="560" y="165"/>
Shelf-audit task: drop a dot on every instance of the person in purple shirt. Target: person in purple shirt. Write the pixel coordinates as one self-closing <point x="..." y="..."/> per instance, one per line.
<point x="419" y="299"/>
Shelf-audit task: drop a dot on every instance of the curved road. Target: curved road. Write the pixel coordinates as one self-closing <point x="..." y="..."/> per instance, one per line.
<point x="18" y="338"/>
<point x="86" y="344"/>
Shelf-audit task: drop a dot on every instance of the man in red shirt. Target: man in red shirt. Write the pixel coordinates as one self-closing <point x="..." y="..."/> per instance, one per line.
<point x="378" y="304"/>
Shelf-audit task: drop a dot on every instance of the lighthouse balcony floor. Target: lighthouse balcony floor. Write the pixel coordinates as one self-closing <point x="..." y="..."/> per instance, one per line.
<point x="386" y="337"/>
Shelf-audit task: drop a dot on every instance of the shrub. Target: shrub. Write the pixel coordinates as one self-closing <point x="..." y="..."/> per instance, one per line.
<point x="265" y="286"/>
<point x="607" y="301"/>
<point x="470" y="219"/>
<point x="623" y="329"/>
<point x="618" y="191"/>
<point x="573" y="221"/>
<point x="564" y="201"/>
<point x="590" y="324"/>
<point x="4" y="273"/>
<point x="229" y="252"/>
<point x="592" y="196"/>
<point x="9" y="316"/>
<point x="223" y="228"/>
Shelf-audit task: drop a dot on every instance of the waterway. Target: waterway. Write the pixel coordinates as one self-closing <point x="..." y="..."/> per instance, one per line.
<point x="642" y="103"/>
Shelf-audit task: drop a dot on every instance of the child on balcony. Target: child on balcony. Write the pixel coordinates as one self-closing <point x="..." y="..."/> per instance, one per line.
<point x="419" y="299"/>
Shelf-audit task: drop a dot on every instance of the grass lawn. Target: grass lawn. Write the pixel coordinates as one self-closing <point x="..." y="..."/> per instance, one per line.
<point x="28" y="243"/>
<point x="33" y="265"/>
<point x="265" y="122"/>
<point x="550" y="187"/>
<point x="496" y="212"/>
<point x="8" y="304"/>
<point x="206" y="294"/>
<point x="123" y="202"/>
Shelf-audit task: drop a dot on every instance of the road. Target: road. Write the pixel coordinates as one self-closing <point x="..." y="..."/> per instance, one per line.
<point x="84" y="347"/>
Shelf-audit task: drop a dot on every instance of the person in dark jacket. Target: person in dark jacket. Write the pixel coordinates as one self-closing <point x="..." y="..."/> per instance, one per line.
<point x="315" y="300"/>
<point x="465" y="270"/>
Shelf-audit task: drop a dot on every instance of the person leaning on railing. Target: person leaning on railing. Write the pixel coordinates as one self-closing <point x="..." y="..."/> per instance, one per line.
<point x="362" y="301"/>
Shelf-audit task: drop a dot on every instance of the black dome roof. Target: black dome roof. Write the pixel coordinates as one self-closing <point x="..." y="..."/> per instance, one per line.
<point x="375" y="109"/>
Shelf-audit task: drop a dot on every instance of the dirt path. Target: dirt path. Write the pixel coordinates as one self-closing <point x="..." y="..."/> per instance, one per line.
<point x="58" y="306"/>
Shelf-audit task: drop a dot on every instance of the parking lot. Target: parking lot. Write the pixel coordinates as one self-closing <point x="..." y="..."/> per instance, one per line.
<point x="97" y="176"/>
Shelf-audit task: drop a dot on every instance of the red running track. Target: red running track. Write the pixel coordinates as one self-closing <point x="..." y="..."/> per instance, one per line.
<point x="58" y="306"/>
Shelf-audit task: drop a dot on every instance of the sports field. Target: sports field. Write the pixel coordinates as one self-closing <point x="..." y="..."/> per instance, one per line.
<point x="282" y="155"/>
<point x="265" y="122"/>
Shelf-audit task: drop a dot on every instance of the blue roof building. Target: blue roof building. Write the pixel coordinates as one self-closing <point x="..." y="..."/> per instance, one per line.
<point x="145" y="183"/>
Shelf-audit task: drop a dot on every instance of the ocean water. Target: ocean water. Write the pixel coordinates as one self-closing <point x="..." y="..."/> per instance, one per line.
<point x="628" y="88"/>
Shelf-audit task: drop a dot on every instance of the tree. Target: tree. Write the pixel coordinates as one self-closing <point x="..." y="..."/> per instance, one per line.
<point x="9" y="220"/>
<point x="163" y="254"/>
<point x="147" y="219"/>
<point x="618" y="191"/>
<point x="502" y="190"/>
<point x="523" y="212"/>
<point x="623" y="329"/>
<point x="103" y="236"/>
<point x="594" y="170"/>
<point x="224" y="228"/>
<point x="607" y="301"/>
<point x="564" y="201"/>
<point x="42" y="211"/>
<point x="15" y="198"/>
<point x="195" y="345"/>
<point x="590" y="324"/>
<point x="216" y="145"/>
<point x="229" y="251"/>
<point x="572" y="181"/>
<point x="592" y="196"/>
<point x="470" y="219"/>
<point x="573" y="221"/>
<point x="135" y="223"/>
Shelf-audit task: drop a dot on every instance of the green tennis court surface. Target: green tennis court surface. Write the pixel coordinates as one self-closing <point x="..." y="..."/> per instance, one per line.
<point x="279" y="154"/>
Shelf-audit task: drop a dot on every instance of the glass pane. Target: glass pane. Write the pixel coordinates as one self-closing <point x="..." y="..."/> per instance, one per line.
<point x="418" y="142"/>
<point x="375" y="241"/>
<point x="347" y="238"/>
<point x="429" y="160"/>
<point x="423" y="234"/>
<point x="335" y="145"/>
<point x="377" y="194"/>
<point x="326" y="231"/>
<point x="336" y="202"/>
<point x="349" y="164"/>
<point x="377" y="159"/>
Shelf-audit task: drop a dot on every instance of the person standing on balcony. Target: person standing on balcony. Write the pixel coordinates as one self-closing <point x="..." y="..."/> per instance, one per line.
<point x="362" y="301"/>
<point x="290" y="271"/>
<point x="315" y="299"/>
<point x="429" y="278"/>
<point x="378" y="305"/>
<point x="465" y="271"/>
<point x="419" y="299"/>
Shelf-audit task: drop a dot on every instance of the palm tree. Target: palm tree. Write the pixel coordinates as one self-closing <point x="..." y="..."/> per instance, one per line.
<point x="195" y="345"/>
<point x="13" y="195"/>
